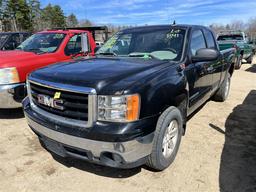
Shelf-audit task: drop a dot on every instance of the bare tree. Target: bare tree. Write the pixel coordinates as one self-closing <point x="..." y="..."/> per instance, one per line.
<point x="237" y="25"/>
<point x="251" y="31"/>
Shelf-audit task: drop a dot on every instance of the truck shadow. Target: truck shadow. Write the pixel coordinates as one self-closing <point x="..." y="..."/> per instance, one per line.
<point x="11" y="113"/>
<point x="97" y="169"/>
<point x="252" y="69"/>
<point x="238" y="159"/>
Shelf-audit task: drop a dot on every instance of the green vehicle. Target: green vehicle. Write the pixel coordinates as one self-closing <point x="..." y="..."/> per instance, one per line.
<point x="238" y="40"/>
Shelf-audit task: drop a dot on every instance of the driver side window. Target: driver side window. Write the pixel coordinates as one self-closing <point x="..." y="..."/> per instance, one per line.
<point x="74" y="45"/>
<point x="197" y="42"/>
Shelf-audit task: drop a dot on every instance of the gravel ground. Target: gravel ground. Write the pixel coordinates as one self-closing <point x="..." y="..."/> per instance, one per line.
<point x="218" y="153"/>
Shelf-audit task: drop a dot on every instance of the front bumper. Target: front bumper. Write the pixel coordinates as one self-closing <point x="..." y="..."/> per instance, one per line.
<point x="12" y="95"/>
<point x="125" y="154"/>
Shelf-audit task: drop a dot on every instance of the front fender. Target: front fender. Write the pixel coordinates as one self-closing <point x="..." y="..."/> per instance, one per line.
<point x="161" y="90"/>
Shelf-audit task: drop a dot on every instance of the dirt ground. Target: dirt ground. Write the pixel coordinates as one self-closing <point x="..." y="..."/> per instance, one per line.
<point x="218" y="153"/>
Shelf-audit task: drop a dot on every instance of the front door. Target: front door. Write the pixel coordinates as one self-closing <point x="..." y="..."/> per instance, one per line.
<point x="201" y="82"/>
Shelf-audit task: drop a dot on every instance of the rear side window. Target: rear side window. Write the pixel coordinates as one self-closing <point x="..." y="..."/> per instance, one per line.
<point x="209" y="39"/>
<point x="197" y="41"/>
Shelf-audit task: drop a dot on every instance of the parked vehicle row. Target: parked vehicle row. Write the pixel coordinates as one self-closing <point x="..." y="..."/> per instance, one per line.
<point x="237" y="39"/>
<point x="128" y="104"/>
<point x="39" y="50"/>
<point x="11" y="40"/>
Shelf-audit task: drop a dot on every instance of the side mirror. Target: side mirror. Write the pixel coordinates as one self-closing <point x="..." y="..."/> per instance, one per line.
<point x="206" y="54"/>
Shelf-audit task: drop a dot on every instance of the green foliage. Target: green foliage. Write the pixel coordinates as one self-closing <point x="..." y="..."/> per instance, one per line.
<point x="53" y="16"/>
<point x="27" y="15"/>
<point x="19" y="13"/>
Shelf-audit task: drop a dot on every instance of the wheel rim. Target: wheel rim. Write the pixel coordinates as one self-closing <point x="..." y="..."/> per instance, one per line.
<point x="227" y="88"/>
<point x="170" y="139"/>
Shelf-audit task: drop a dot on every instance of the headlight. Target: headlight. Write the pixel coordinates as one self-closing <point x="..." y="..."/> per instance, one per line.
<point x="119" y="108"/>
<point x="9" y="75"/>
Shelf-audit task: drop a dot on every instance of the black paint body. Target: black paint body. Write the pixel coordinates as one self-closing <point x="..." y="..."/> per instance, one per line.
<point x="160" y="84"/>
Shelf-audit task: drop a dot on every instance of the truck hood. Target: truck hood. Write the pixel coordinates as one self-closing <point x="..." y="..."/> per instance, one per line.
<point x="103" y="74"/>
<point x="26" y="62"/>
<point x="15" y="58"/>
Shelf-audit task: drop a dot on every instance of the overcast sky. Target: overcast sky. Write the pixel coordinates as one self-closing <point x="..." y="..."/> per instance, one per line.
<point x="140" y="12"/>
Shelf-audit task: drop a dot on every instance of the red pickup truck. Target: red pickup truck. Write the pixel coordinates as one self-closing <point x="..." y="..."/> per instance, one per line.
<point x="41" y="49"/>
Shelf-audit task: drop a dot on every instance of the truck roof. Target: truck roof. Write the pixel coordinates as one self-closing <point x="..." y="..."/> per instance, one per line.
<point x="63" y="31"/>
<point x="91" y="29"/>
<point x="152" y="27"/>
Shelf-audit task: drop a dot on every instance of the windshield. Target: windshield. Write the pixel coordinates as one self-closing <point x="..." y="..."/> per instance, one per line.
<point x="230" y="37"/>
<point x="3" y="37"/>
<point x="163" y="44"/>
<point x="42" y="42"/>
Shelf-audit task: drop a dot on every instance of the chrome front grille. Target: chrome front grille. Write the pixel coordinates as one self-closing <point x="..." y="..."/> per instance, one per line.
<point x="77" y="106"/>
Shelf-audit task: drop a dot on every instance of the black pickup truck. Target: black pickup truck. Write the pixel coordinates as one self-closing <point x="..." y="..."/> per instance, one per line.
<point x="129" y="104"/>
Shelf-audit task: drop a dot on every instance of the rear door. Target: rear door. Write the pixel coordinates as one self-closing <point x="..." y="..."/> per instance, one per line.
<point x="201" y="87"/>
<point x="215" y="68"/>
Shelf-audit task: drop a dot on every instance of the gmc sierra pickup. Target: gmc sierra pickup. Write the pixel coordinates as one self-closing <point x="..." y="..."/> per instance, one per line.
<point x="129" y="104"/>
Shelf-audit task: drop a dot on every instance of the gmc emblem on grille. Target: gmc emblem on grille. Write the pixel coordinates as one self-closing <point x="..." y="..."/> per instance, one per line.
<point x="50" y="102"/>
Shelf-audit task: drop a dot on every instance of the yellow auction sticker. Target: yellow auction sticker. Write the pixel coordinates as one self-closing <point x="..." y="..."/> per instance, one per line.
<point x="57" y="95"/>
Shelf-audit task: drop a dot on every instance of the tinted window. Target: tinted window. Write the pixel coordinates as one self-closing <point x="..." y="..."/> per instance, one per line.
<point x="230" y="37"/>
<point x="74" y="45"/>
<point x="25" y="36"/>
<point x="197" y="41"/>
<point x="12" y="42"/>
<point x="42" y="42"/>
<point x="209" y="39"/>
<point x="3" y="37"/>
<point x="122" y="44"/>
<point x="163" y="44"/>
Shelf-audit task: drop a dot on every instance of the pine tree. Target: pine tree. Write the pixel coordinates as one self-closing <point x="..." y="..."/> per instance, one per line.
<point x="35" y="13"/>
<point x="19" y="15"/>
<point x="53" y="16"/>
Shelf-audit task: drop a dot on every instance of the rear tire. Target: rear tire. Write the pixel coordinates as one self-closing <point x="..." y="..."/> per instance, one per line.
<point x="238" y="62"/>
<point x="223" y="92"/>
<point x="167" y="139"/>
<point x="249" y="60"/>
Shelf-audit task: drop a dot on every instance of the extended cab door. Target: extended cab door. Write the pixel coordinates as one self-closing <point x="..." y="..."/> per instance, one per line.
<point x="201" y="85"/>
<point x="214" y="67"/>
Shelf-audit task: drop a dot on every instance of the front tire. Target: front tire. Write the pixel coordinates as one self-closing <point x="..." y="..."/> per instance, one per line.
<point x="167" y="139"/>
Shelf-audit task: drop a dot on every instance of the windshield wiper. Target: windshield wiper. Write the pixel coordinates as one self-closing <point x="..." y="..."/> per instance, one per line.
<point x="107" y="53"/>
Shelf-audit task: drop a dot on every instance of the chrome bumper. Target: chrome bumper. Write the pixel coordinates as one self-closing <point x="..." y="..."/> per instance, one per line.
<point x="7" y="96"/>
<point x="130" y="151"/>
